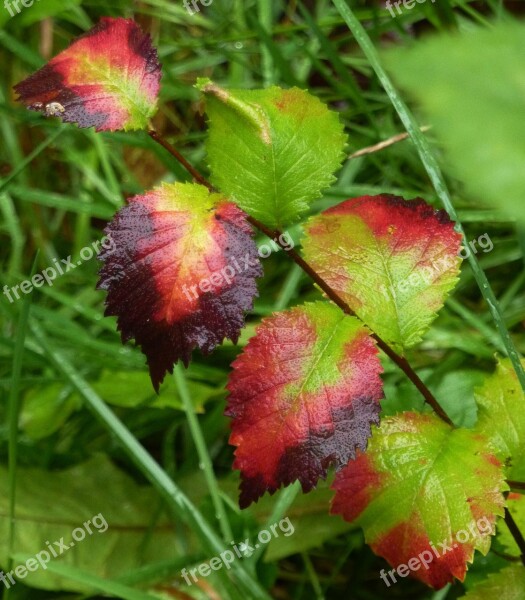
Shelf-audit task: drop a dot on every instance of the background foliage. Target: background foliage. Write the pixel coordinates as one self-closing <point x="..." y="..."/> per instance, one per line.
<point x="60" y="185"/>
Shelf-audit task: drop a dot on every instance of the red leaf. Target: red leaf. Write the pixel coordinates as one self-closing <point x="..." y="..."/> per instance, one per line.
<point x="181" y="273"/>
<point x="303" y="395"/>
<point x="108" y="78"/>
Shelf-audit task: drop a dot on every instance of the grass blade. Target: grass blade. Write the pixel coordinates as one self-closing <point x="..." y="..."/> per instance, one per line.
<point x="436" y="177"/>
<point x="202" y="451"/>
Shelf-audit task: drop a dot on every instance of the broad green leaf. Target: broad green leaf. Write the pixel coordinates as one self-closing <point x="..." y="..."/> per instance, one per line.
<point x="391" y="260"/>
<point x="303" y="395"/>
<point x="472" y="86"/>
<point x="426" y="495"/>
<point x="47" y="408"/>
<point x="109" y="79"/>
<point x="271" y="151"/>
<point x="50" y="505"/>
<point x="507" y="584"/>
<point x="501" y="416"/>
<point x="455" y="390"/>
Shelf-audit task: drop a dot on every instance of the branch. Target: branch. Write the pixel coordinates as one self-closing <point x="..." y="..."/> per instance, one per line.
<point x="400" y="361"/>
<point x="385" y="143"/>
<point x="516" y="533"/>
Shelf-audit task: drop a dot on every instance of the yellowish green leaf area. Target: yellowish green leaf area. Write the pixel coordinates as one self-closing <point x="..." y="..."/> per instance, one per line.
<point x="391" y="260"/>
<point x="271" y="151"/>
<point x="472" y="87"/>
<point x="507" y="584"/>
<point x="426" y="495"/>
<point x="501" y="417"/>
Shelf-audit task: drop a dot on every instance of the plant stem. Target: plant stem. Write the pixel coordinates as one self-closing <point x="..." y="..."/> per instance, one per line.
<point x="516" y="485"/>
<point x="516" y="533"/>
<point x="175" y="153"/>
<point x="275" y="234"/>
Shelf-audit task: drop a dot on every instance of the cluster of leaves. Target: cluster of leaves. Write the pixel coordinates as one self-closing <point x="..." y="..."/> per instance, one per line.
<point x="304" y="395"/>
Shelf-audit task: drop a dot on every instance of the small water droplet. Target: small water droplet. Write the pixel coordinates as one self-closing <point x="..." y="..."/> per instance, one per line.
<point x="239" y="45"/>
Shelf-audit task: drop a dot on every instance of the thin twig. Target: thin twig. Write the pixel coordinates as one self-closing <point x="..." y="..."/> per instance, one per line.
<point x="400" y="361"/>
<point x="516" y="533"/>
<point x="175" y="153"/>
<point x="516" y="485"/>
<point x="385" y="143"/>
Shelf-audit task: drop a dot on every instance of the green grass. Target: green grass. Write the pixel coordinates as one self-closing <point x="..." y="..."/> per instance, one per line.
<point x="60" y="185"/>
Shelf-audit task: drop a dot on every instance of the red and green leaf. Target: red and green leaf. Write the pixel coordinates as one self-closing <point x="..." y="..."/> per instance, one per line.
<point x="392" y="261"/>
<point x="109" y="79"/>
<point x="180" y="274"/>
<point x="501" y="417"/>
<point x="420" y="486"/>
<point x="303" y="395"/>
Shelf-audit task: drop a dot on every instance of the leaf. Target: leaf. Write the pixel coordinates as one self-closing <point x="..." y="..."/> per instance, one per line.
<point x="302" y="397"/>
<point x="46" y="409"/>
<point x="272" y="151"/>
<point x="180" y="273"/>
<point x="51" y="504"/>
<point x="423" y="485"/>
<point x="507" y="584"/>
<point x="501" y="416"/>
<point x="516" y="506"/>
<point x="392" y="261"/>
<point x="481" y="126"/>
<point x="455" y="390"/>
<point x="109" y="79"/>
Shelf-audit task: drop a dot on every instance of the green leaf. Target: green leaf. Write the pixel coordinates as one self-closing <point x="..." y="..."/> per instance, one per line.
<point x="508" y="584"/>
<point x="472" y="88"/>
<point x="391" y="260"/>
<point x="423" y="485"/>
<point x="50" y="505"/>
<point x="46" y="409"/>
<point x="272" y="151"/>
<point x="501" y="416"/>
